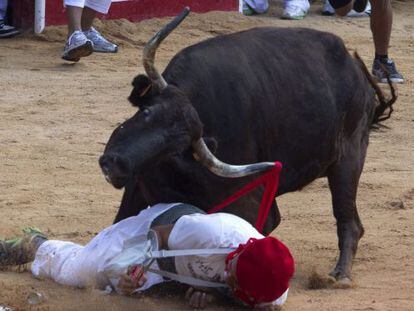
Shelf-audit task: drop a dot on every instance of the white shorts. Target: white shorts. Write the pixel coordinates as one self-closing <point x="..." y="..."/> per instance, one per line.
<point x="101" y="6"/>
<point x="259" y="6"/>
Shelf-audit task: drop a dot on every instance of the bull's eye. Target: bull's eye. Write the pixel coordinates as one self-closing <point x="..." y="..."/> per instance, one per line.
<point x="146" y="113"/>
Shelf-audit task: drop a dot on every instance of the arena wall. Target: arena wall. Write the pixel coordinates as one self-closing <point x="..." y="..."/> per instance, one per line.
<point x="133" y="10"/>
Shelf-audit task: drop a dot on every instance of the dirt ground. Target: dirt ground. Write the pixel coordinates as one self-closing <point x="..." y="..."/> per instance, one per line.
<point x="57" y="116"/>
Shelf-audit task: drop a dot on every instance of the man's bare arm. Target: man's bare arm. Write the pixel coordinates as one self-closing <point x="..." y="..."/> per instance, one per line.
<point x="163" y="233"/>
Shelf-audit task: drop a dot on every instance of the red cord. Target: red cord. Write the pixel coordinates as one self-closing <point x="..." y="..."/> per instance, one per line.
<point x="270" y="180"/>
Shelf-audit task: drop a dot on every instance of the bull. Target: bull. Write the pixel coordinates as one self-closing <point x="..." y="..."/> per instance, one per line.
<point x="289" y="94"/>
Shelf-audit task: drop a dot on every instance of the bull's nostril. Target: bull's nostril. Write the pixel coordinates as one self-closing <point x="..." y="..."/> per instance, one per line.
<point x="114" y="167"/>
<point x="105" y="162"/>
<point x="105" y="169"/>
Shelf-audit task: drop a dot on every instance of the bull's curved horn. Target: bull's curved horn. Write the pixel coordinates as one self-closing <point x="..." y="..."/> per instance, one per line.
<point x="152" y="45"/>
<point x="204" y="155"/>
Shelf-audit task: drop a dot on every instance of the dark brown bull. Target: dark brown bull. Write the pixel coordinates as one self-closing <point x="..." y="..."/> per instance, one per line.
<point x="289" y="94"/>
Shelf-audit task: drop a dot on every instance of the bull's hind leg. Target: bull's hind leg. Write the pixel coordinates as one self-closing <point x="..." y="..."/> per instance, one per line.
<point x="343" y="179"/>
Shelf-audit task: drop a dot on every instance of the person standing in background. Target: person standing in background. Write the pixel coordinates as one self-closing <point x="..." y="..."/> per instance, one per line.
<point x="328" y="10"/>
<point x="381" y="26"/>
<point x="294" y="9"/>
<point x="298" y="9"/>
<point x="6" y="31"/>
<point x="83" y="39"/>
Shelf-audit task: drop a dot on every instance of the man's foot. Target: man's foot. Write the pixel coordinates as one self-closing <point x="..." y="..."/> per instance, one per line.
<point x="380" y="69"/>
<point x="77" y="46"/>
<point x="21" y="250"/>
<point x="365" y="13"/>
<point x="247" y="10"/>
<point x="7" y="31"/>
<point x="295" y="10"/>
<point x="327" y="9"/>
<point x="100" y="44"/>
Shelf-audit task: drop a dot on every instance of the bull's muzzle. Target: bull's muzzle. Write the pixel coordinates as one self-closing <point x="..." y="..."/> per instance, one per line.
<point x="115" y="169"/>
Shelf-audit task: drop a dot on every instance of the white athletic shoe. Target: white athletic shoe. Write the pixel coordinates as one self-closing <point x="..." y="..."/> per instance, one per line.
<point x="77" y="46"/>
<point x="327" y="9"/>
<point x="100" y="44"/>
<point x="365" y="13"/>
<point x="295" y="9"/>
<point x="7" y="31"/>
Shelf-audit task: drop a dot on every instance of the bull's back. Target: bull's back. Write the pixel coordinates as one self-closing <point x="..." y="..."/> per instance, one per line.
<point x="271" y="94"/>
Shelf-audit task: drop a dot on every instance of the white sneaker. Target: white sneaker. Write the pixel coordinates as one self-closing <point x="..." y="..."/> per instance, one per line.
<point x="77" y="46"/>
<point x="365" y="13"/>
<point x="295" y="9"/>
<point x="327" y="9"/>
<point x="100" y="44"/>
<point x="7" y="31"/>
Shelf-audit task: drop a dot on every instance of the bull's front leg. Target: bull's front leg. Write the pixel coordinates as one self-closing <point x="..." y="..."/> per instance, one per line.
<point x="343" y="180"/>
<point x="132" y="202"/>
<point x="273" y="219"/>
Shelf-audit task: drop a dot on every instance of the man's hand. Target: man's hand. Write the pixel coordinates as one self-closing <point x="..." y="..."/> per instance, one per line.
<point x="198" y="298"/>
<point x="134" y="279"/>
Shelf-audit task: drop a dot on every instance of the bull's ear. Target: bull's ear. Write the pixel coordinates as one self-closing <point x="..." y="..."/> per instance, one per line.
<point x="142" y="90"/>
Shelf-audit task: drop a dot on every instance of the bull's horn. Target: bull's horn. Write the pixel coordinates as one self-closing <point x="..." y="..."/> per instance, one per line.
<point x="152" y="45"/>
<point x="204" y="155"/>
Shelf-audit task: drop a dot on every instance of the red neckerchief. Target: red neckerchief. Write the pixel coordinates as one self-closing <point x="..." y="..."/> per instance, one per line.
<point x="270" y="180"/>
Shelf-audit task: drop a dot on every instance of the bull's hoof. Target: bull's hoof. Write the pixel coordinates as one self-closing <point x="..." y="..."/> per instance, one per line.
<point x="341" y="283"/>
<point x="340" y="279"/>
<point x="318" y="281"/>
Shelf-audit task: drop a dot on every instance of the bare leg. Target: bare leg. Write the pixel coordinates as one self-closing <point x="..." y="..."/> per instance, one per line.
<point x="381" y="22"/>
<point x="77" y="45"/>
<point x="88" y="16"/>
<point x="74" y="15"/>
<point x="381" y="25"/>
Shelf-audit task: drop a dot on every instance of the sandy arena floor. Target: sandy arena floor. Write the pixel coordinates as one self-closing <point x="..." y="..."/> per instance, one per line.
<point x="57" y="116"/>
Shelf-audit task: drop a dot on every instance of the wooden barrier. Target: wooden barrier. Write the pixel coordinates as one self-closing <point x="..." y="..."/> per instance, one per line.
<point x="133" y="10"/>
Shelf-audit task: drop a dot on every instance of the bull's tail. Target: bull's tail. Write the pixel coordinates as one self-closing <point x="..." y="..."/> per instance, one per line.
<point x="383" y="104"/>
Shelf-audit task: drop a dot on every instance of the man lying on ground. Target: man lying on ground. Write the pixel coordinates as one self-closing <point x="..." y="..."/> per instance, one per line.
<point x="256" y="272"/>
